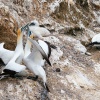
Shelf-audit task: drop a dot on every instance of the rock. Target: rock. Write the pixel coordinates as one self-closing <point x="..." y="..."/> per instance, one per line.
<point x="87" y="53"/>
<point x="78" y="75"/>
<point x="98" y="20"/>
<point x="57" y="69"/>
<point x="8" y="27"/>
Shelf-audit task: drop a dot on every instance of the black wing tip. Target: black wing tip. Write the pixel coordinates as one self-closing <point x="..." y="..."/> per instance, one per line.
<point x="90" y="44"/>
<point x="47" y="88"/>
<point x="93" y="43"/>
<point x="53" y="46"/>
<point x="41" y="25"/>
<point x="3" y="75"/>
<point x="49" y="62"/>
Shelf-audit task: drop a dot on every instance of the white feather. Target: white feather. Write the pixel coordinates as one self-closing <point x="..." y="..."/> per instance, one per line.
<point x="96" y="38"/>
<point x="5" y="54"/>
<point x="44" y="46"/>
<point x="18" y="55"/>
<point x="39" y="31"/>
<point x="15" y="66"/>
<point x="34" y="63"/>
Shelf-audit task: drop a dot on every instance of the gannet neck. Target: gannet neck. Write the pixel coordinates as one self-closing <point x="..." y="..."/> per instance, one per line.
<point x="19" y="40"/>
<point x="27" y="48"/>
<point x="19" y="36"/>
<point x="19" y="47"/>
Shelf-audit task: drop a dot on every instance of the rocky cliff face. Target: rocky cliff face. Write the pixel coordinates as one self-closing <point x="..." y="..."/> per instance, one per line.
<point x="72" y="24"/>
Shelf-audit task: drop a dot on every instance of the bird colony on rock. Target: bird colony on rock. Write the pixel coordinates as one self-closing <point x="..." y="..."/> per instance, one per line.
<point x="33" y="60"/>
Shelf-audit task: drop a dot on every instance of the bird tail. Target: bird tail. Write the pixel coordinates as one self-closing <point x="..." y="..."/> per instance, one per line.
<point x="46" y="86"/>
<point x="3" y="75"/>
<point x="93" y="43"/>
<point x="53" y="46"/>
<point x="90" y="44"/>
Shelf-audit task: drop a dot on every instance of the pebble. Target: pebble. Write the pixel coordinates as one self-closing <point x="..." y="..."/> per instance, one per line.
<point x="88" y="53"/>
<point x="57" y="69"/>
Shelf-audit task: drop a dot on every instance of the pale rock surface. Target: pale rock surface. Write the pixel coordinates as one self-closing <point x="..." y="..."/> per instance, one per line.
<point x="72" y="25"/>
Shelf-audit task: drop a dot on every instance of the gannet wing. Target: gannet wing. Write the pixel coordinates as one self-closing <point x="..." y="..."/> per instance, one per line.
<point x="40" y="50"/>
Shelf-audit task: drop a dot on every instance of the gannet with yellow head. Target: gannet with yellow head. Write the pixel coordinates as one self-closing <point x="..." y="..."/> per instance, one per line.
<point x="12" y="68"/>
<point x="6" y="54"/>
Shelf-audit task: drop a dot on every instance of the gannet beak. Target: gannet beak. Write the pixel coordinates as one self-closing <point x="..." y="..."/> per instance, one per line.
<point x="24" y="27"/>
<point x="40" y="49"/>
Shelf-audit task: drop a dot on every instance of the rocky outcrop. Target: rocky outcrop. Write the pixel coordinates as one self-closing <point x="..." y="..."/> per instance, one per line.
<point x="72" y="23"/>
<point x="8" y="27"/>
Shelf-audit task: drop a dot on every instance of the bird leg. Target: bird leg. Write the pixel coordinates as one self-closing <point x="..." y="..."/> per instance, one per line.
<point x="4" y="75"/>
<point x="33" y="78"/>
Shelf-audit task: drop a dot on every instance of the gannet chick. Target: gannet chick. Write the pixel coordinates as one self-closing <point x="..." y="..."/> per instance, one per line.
<point x="12" y="68"/>
<point x="95" y="41"/>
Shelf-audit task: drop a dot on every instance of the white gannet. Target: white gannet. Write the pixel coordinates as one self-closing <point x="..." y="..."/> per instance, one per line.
<point x="33" y="60"/>
<point x="6" y="54"/>
<point x="12" y="68"/>
<point x="46" y="46"/>
<point x="95" y="41"/>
